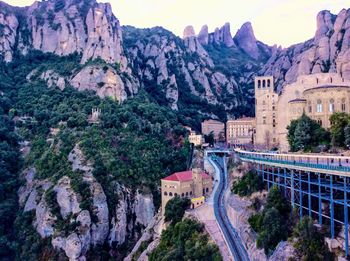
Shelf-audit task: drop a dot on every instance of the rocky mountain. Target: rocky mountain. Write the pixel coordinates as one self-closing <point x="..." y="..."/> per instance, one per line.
<point x="328" y="51"/>
<point x="86" y="190"/>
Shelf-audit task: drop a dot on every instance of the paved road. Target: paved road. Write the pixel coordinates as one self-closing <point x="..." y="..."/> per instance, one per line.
<point x="231" y="237"/>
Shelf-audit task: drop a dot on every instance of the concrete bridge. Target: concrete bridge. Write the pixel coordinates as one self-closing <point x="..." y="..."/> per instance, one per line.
<point x="318" y="185"/>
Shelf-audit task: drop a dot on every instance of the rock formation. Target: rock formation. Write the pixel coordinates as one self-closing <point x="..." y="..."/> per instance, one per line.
<point x="222" y="35"/>
<point x="189" y="32"/>
<point x="203" y="36"/>
<point x="245" y="40"/>
<point x="93" y="225"/>
<point x="328" y="51"/>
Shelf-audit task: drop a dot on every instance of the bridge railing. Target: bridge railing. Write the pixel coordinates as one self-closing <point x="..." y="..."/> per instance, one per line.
<point x="323" y="162"/>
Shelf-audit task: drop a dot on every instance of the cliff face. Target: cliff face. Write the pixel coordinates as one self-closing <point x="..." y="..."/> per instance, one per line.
<point x="87" y="228"/>
<point x="64" y="27"/>
<point x="328" y="51"/>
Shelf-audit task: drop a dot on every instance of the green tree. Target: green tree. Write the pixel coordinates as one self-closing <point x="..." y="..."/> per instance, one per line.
<point x="209" y="138"/>
<point x="251" y="182"/>
<point x="274" y="230"/>
<point x="339" y="121"/>
<point x="186" y="240"/>
<point x="175" y="209"/>
<point x="310" y="243"/>
<point x="305" y="134"/>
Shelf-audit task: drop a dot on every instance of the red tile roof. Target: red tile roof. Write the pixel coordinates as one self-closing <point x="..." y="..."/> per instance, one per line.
<point x="184" y="176"/>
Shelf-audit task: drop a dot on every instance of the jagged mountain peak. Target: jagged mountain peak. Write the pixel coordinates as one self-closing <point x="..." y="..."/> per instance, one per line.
<point x="189" y="32"/>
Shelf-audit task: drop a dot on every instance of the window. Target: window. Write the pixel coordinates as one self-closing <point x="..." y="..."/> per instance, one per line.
<point x="343" y="106"/>
<point x="319" y="121"/>
<point x="264" y="84"/>
<point x="319" y="106"/>
<point x="190" y="193"/>
<point x="175" y="194"/>
<point x="273" y="108"/>
<point x="207" y="190"/>
<point x="165" y="193"/>
<point x="331" y="105"/>
<point x="259" y="84"/>
<point x="274" y="123"/>
<point x="186" y="194"/>
<point x="268" y="83"/>
<point x="264" y="120"/>
<point x="183" y="194"/>
<point x="309" y="107"/>
<point x="170" y="194"/>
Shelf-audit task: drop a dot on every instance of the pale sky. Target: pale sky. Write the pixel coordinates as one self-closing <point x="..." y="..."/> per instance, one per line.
<point x="281" y="22"/>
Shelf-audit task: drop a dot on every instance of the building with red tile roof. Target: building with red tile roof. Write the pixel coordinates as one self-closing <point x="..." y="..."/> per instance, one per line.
<point x="193" y="184"/>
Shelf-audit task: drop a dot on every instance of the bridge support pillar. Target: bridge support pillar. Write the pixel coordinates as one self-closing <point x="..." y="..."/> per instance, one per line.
<point x="279" y="177"/>
<point x="346" y="224"/>
<point x="319" y="200"/>
<point x="292" y="187"/>
<point x="300" y="197"/>
<point x="268" y="178"/>
<point x="332" y="206"/>
<point x="285" y="181"/>
<point x="309" y="193"/>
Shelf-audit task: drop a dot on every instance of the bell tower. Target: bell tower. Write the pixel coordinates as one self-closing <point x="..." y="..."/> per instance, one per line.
<point x="197" y="182"/>
<point x="265" y="112"/>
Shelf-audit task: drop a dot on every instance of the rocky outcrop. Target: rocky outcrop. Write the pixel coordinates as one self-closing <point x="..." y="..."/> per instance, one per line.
<point x="91" y="226"/>
<point x="203" y="36"/>
<point x="189" y="32"/>
<point x="8" y="34"/>
<point x="64" y="27"/>
<point x="105" y="82"/>
<point x="246" y="40"/>
<point x="328" y="51"/>
<point x="222" y="35"/>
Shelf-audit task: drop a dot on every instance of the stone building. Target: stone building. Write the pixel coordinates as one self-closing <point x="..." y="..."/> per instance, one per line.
<point x="195" y="139"/>
<point x="217" y="127"/>
<point x="193" y="184"/>
<point x="317" y="95"/>
<point x="240" y="131"/>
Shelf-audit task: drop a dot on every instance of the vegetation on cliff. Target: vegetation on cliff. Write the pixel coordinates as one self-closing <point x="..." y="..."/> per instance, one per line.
<point x="251" y="182"/>
<point x="309" y="242"/>
<point x="273" y="223"/>
<point x="135" y="144"/>
<point x="186" y="240"/>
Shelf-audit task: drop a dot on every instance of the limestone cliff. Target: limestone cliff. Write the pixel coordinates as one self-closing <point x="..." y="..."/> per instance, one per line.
<point x="88" y="227"/>
<point x="328" y="51"/>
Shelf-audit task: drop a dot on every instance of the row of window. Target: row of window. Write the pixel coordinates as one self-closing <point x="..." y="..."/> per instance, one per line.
<point x="264" y="83"/>
<point x="205" y="190"/>
<point x="331" y="106"/>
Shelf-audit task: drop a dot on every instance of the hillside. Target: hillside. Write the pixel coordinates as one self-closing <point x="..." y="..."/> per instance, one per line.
<point x="88" y="187"/>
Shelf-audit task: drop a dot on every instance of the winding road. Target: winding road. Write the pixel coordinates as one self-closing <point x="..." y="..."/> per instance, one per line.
<point x="231" y="237"/>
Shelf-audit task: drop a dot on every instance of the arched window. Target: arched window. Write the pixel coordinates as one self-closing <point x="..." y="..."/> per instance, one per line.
<point x="170" y="194"/>
<point x="183" y="194"/>
<point x="190" y="193"/>
<point x="259" y="83"/>
<point x="331" y="105"/>
<point x="264" y="84"/>
<point x="319" y="121"/>
<point x="343" y="104"/>
<point x="186" y="194"/>
<point x="165" y="193"/>
<point x="309" y="107"/>
<point x="319" y="106"/>
<point x="207" y="190"/>
<point x="331" y="79"/>
<point x="175" y="194"/>
<point x="268" y="83"/>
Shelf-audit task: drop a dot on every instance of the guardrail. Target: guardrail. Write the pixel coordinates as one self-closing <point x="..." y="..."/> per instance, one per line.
<point x="338" y="165"/>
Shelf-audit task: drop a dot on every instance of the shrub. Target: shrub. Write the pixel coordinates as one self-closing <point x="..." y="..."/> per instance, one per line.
<point x="251" y="182"/>
<point x="175" y="209"/>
